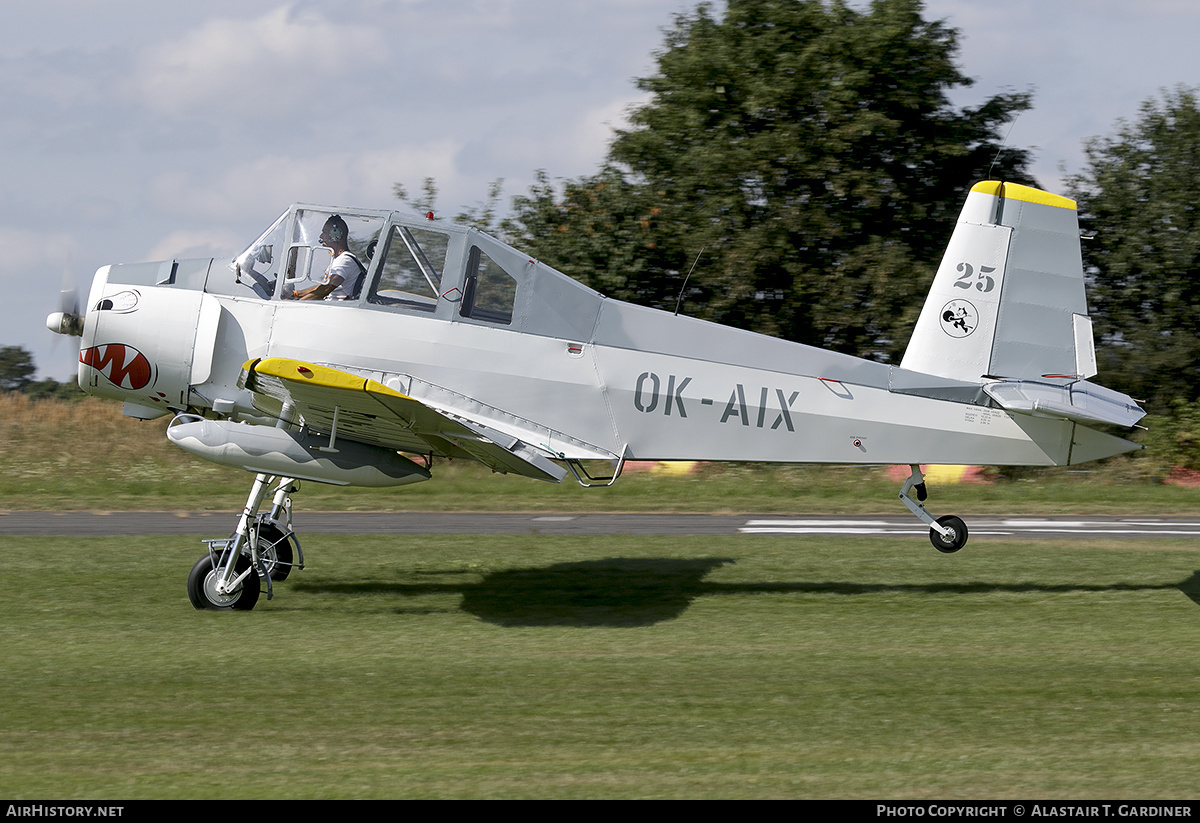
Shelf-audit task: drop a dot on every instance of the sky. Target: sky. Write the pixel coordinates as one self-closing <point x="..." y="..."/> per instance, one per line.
<point x="137" y="130"/>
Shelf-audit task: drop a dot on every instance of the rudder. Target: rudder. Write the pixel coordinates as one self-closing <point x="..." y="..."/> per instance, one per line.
<point x="1008" y="299"/>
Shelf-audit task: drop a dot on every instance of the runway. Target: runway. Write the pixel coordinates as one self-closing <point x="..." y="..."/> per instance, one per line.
<point x="85" y="524"/>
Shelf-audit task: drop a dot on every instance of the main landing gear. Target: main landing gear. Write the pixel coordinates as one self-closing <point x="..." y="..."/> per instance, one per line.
<point x="947" y="533"/>
<point x="263" y="549"/>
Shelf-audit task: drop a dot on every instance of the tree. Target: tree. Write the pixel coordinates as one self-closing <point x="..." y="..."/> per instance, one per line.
<point x="16" y="374"/>
<point x="425" y="202"/>
<point x="483" y="215"/>
<point x="1137" y="193"/>
<point x="809" y="149"/>
<point x="50" y="389"/>
<point x="16" y="368"/>
<point x="604" y="231"/>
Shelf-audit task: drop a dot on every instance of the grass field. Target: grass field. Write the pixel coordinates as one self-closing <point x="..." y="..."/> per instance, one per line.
<point x="531" y="666"/>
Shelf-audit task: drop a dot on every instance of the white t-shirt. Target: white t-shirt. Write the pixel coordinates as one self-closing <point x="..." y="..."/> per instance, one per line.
<point x="347" y="267"/>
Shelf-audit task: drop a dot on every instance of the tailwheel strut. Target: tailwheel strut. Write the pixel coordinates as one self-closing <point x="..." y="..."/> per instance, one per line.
<point x="947" y="533"/>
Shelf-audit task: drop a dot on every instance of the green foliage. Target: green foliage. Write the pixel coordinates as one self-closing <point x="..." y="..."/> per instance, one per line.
<point x="426" y="201"/>
<point x="50" y="389"/>
<point x="16" y="374"/>
<point x="16" y="368"/>
<point x="605" y="231"/>
<point x="484" y="215"/>
<point x="1174" y="439"/>
<point x="809" y="149"/>
<point x="1138" y="194"/>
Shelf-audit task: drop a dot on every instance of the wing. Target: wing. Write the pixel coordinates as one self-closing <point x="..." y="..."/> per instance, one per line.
<point x="349" y="406"/>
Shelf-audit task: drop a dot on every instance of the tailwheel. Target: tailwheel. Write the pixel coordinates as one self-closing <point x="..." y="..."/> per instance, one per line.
<point x="954" y="539"/>
<point x="948" y="533"/>
<point x="203" y="591"/>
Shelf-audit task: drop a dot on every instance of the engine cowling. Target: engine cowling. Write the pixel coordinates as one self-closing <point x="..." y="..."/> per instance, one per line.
<point x="147" y="345"/>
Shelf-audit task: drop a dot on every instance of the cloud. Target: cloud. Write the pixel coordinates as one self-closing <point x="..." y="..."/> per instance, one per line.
<point x="35" y="267"/>
<point x="263" y="187"/>
<point x="594" y="129"/>
<point x="185" y="244"/>
<point x="38" y="254"/>
<point x="259" y="68"/>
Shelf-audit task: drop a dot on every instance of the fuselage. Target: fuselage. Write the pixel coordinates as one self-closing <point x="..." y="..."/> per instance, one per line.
<point x="470" y="326"/>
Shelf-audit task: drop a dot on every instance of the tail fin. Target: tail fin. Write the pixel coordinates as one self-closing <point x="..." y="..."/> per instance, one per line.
<point x="1008" y="298"/>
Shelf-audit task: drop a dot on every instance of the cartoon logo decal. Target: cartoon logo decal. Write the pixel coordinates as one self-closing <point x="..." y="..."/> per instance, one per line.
<point x="122" y="365"/>
<point x="959" y="318"/>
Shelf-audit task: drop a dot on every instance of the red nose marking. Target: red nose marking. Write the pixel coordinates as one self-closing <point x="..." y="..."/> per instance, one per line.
<point x="122" y="365"/>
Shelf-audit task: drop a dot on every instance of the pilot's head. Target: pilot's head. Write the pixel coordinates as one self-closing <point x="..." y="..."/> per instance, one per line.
<point x="335" y="232"/>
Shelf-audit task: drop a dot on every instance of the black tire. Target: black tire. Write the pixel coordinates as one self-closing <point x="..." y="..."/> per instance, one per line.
<point x="275" y="551"/>
<point x="955" y="540"/>
<point x="201" y="587"/>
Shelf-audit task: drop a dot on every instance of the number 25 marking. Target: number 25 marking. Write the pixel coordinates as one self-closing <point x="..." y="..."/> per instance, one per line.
<point x="984" y="282"/>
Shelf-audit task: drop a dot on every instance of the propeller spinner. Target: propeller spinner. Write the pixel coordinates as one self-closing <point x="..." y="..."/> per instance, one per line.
<point x="69" y="317"/>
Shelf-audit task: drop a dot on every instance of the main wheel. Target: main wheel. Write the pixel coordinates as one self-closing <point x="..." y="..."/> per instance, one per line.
<point x="202" y="586"/>
<point x="955" y="540"/>
<point x="275" y="551"/>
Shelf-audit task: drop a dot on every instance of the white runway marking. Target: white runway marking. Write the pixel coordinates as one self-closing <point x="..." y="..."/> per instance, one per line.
<point x="978" y="526"/>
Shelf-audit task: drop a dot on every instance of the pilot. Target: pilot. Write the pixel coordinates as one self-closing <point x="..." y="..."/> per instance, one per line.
<point x="344" y="277"/>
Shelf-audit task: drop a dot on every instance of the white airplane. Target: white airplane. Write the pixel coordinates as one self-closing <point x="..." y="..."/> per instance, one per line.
<point x="436" y="340"/>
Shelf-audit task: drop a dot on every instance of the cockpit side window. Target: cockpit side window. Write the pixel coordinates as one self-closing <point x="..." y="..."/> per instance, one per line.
<point x="410" y="274"/>
<point x="489" y="292"/>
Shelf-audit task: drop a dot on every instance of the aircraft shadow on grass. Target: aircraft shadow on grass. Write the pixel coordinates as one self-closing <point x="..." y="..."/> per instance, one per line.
<point x="628" y="592"/>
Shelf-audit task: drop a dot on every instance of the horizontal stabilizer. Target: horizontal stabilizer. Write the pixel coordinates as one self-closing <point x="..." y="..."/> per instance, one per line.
<point x="1081" y="401"/>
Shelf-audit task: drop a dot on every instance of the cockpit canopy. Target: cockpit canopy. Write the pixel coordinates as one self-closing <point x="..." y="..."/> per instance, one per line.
<point x="411" y="264"/>
<point x="293" y="242"/>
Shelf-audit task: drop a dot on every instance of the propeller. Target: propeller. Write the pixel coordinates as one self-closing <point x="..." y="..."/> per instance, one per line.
<point x="69" y="317"/>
